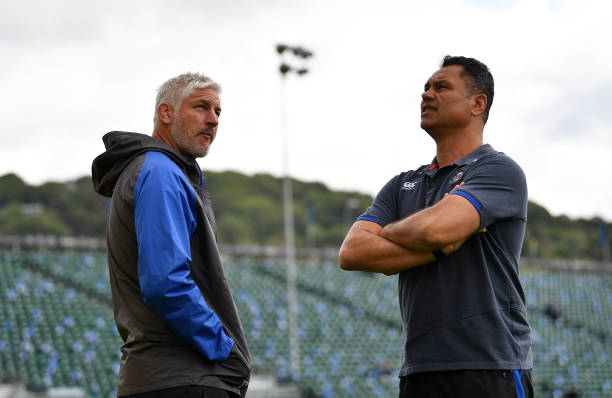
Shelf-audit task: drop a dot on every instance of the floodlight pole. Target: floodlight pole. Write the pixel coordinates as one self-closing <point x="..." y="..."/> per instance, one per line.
<point x="290" y="261"/>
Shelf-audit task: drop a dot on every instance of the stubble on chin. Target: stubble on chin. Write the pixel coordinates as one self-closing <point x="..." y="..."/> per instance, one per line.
<point x="186" y="142"/>
<point x="201" y="153"/>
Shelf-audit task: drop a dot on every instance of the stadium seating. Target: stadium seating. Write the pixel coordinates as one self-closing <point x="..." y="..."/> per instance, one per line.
<point x="53" y="335"/>
<point x="575" y="348"/>
<point x="57" y="327"/>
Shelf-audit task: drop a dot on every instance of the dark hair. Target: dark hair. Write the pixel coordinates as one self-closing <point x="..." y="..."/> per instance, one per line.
<point x="481" y="78"/>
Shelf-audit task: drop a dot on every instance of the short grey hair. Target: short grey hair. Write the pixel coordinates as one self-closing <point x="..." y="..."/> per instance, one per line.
<point x="175" y="90"/>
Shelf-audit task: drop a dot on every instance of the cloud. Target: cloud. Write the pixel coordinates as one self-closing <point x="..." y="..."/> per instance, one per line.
<point x="577" y="112"/>
<point x="78" y="70"/>
<point x="44" y="23"/>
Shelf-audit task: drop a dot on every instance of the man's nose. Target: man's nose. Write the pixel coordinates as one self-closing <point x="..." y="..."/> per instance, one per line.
<point x="212" y="119"/>
<point x="427" y="95"/>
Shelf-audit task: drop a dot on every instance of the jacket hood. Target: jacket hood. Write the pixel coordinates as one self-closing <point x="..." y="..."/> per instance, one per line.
<point x="121" y="148"/>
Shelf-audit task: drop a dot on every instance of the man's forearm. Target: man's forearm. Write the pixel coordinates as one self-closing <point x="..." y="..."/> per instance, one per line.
<point x="412" y="233"/>
<point x="451" y="220"/>
<point x="366" y="250"/>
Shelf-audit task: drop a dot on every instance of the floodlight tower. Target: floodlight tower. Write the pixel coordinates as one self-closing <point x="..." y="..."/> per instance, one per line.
<point x="300" y="55"/>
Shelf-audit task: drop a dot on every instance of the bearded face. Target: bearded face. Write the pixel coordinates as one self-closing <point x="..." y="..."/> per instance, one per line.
<point x="194" y="126"/>
<point x="192" y="142"/>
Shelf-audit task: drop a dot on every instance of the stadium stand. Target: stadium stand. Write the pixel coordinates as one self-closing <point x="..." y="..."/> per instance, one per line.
<point x="53" y="334"/>
<point x="57" y="330"/>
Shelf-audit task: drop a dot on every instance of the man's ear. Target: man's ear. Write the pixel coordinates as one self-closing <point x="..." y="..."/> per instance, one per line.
<point x="165" y="112"/>
<point x="480" y="104"/>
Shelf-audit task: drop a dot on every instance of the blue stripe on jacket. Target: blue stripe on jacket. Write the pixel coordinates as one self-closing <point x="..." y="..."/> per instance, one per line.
<point x="164" y="204"/>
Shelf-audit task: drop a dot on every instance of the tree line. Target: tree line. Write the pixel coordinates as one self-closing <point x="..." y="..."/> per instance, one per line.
<point x="249" y="210"/>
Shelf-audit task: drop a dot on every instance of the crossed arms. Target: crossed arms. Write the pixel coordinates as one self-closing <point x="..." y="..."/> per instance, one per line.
<point x="410" y="242"/>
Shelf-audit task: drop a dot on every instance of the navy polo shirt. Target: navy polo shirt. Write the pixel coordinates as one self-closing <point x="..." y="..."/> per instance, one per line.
<point x="467" y="310"/>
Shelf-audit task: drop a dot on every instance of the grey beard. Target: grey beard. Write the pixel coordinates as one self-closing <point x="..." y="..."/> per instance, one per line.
<point x="202" y="155"/>
<point x="185" y="142"/>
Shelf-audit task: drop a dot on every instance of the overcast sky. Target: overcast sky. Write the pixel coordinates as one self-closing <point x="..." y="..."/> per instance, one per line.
<point x="74" y="70"/>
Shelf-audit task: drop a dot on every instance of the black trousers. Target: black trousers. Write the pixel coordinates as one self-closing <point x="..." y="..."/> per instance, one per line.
<point x="186" y="392"/>
<point x="468" y="383"/>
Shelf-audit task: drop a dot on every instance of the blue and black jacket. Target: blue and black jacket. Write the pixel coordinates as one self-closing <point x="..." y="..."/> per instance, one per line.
<point x="172" y="302"/>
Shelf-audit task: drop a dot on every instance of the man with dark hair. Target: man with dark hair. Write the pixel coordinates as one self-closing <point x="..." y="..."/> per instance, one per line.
<point x="479" y="79"/>
<point x="453" y="230"/>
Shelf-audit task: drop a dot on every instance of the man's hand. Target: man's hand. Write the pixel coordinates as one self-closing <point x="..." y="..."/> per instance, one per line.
<point x="454" y="246"/>
<point x="456" y="187"/>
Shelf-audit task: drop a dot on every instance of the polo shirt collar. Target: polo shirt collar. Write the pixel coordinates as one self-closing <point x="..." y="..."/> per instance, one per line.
<point x="471" y="158"/>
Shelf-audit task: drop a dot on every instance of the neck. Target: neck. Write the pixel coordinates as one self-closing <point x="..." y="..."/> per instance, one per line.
<point x="452" y="148"/>
<point x="163" y="134"/>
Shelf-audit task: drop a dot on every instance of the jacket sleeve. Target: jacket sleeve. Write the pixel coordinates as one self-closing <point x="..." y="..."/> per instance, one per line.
<point x="164" y="223"/>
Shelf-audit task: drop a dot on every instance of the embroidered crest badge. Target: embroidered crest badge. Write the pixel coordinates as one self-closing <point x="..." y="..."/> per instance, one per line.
<point x="456" y="177"/>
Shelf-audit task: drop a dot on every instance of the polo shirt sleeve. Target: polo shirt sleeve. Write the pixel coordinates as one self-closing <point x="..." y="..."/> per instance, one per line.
<point x="384" y="208"/>
<point x="497" y="189"/>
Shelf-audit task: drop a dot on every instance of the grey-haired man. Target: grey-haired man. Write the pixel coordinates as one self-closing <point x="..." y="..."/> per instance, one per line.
<point x="172" y="303"/>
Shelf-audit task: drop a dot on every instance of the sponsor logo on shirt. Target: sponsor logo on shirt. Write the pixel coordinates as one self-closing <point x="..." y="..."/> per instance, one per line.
<point x="409" y="186"/>
<point x="456" y="177"/>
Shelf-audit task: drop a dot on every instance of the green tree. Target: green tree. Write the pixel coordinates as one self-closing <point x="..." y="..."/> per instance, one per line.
<point x="13" y="221"/>
<point x="249" y="210"/>
<point x="13" y="189"/>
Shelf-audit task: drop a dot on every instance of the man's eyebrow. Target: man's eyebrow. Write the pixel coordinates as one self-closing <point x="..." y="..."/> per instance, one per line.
<point x="436" y="81"/>
<point x="207" y="102"/>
